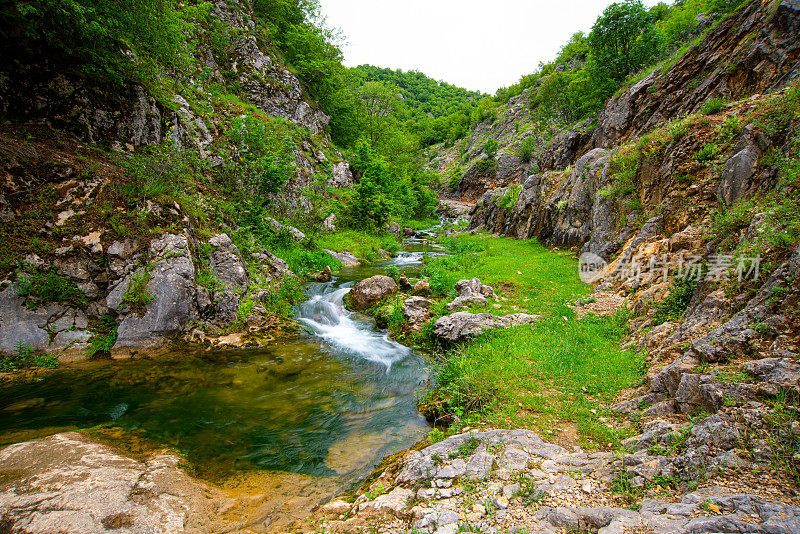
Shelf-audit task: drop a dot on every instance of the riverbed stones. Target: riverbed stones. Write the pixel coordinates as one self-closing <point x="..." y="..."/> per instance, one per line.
<point x="460" y="326"/>
<point x="394" y="503"/>
<point x="371" y="291"/>
<point x="65" y="483"/>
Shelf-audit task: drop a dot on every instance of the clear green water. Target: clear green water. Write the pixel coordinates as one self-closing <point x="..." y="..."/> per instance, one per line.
<point x="330" y="402"/>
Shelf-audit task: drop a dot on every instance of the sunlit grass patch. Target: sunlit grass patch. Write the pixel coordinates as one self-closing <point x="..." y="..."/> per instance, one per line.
<point x="561" y="371"/>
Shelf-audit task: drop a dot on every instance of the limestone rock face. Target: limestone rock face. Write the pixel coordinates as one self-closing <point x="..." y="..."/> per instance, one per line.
<point x="462" y="325"/>
<point x="65" y="483"/>
<point x="367" y="293"/>
<point x="52" y="328"/>
<point x="227" y="264"/>
<point x="172" y="305"/>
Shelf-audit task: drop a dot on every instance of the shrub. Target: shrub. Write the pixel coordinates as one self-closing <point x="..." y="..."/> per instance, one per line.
<point x="266" y="156"/>
<point x="281" y="298"/>
<point x="490" y="148"/>
<point x="707" y="153"/>
<point x="712" y="106"/>
<point x="50" y="286"/>
<point x="526" y="149"/>
<point x="26" y="358"/>
<point x="104" y="338"/>
<point x="137" y="295"/>
<point x="677" y="301"/>
<point x="509" y="199"/>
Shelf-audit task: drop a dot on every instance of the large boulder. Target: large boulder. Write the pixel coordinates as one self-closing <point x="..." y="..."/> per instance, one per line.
<point x="367" y="293"/>
<point x="172" y="290"/>
<point x="52" y="328"/>
<point x="463" y="325"/>
<point x="65" y="483"/>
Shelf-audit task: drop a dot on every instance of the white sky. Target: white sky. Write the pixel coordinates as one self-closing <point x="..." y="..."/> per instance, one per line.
<point x="479" y="45"/>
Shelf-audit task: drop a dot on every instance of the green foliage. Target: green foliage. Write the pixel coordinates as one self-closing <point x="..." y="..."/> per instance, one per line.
<point x="623" y="39"/>
<point x="266" y="161"/>
<point x="673" y="306"/>
<point x="49" y="286"/>
<point x="436" y="111"/>
<point x="490" y="148"/>
<point x="712" y="106"/>
<point x="526" y="149"/>
<point x="361" y="244"/>
<point x="707" y="153"/>
<point x="280" y="300"/>
<point x="90" y="33"/>
<point x="158" y="173"/>
<point x="509" y="199"/>
<point x="104" y="338"/>
<point x="623" y="168"/>
<point x="137" y="296"/>
<point x="25" y="357"/>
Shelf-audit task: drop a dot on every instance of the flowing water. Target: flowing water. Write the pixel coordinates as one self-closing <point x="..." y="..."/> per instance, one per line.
<point x="326" y="404"/>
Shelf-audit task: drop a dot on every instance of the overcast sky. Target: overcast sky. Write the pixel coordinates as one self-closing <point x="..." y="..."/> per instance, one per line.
<point x="480" y="45"/>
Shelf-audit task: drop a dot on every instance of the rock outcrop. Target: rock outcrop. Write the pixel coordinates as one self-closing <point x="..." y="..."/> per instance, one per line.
<point x="65" y="483"/>
<point x="471" y="292"/>
<point x="460" y="326"/>
<point x="170" y="292"/>
<point x="513" y="480"/>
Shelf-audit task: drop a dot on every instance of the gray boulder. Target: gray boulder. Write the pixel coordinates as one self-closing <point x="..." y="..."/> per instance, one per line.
<point x="172" y="306"/>
<point x="346" y="258"/>
<point x="470" y="292"/>
<point x="737" y="175"/>
<point x="416" y="310"/>
<point x="463" y="325"/>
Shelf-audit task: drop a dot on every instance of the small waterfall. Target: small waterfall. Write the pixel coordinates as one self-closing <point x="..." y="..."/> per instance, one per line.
<point x="347" y="333"/>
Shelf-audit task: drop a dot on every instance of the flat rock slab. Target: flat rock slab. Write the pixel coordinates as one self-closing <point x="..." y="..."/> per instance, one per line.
<point x="463" y="325"/>
<point x="67" y="484"/>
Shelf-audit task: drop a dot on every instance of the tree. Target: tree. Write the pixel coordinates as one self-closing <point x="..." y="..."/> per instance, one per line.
<point x="379" y="103"/>
<point x="623" y="39"/>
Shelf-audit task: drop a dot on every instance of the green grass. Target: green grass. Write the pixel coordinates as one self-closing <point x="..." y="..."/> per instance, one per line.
<point x="539" y="376"/>
<point x="364" y="245"/>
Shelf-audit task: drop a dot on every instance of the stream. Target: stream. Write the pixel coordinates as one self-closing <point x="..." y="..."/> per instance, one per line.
<point x="326" y="405"/>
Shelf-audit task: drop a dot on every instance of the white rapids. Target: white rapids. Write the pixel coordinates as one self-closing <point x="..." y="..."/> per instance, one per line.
<point x="325" y="314"/>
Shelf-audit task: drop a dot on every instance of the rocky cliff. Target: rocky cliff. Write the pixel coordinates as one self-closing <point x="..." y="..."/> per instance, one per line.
<point x="96" y="261"/>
